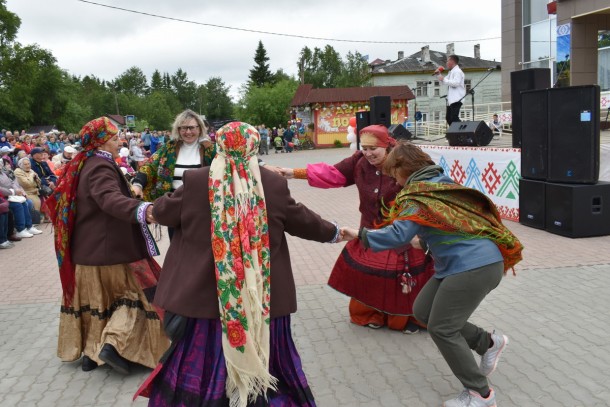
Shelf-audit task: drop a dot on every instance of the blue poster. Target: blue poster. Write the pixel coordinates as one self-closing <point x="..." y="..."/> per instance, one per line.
<point x="564" y="36"/>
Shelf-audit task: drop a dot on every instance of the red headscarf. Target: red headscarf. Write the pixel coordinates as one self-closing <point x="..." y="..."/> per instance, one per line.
<point x="376" y="135"/>
<point x="61" y="205"/>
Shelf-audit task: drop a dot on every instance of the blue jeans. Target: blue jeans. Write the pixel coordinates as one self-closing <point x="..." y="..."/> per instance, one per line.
<point x="21" y="213"/>
<point x="3" y="227"/>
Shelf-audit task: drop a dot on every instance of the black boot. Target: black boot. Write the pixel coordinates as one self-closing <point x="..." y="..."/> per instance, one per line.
<point x="109" y="355"/>
<point x="88" y="364"/>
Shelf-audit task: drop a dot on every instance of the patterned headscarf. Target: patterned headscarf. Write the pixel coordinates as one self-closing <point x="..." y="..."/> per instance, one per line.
<point x="61" y="205"/>
<point x="376" y="135"/>
<point x="240" y="243"/>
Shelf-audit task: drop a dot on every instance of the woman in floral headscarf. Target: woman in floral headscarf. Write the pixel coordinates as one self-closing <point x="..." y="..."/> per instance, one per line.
<point x="104" y="251"/>
<point x="228" y="311"/>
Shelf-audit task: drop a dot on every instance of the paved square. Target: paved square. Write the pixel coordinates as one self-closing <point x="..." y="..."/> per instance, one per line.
<point x="555" y="312"/>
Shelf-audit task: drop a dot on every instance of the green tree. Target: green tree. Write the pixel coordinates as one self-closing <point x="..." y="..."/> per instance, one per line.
<point x="354" y="72"/>
<point x="324" y="68"/>
<point x="9" y="25"/>
<point x="260" y="75"/>
<point x="269" y="105"/>
<point x="184" y="89"/>
<point x="132" y="81"/>
<point x="156" y="81"/>
<point x="218" y="104"/>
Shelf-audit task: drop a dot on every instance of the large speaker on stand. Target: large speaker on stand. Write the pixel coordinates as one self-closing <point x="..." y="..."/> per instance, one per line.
<point x="535" y="134"/>
<point x="472" y="133"/>
<point x="526" y="79"/>
<point x="574" y="139"/>
<point x="381" y="110"/>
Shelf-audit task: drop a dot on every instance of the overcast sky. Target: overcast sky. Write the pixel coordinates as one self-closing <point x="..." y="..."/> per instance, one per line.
<point x="89" y="39"/>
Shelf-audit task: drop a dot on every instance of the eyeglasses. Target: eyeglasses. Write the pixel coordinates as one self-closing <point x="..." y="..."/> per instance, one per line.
<point x="187" y="128"/>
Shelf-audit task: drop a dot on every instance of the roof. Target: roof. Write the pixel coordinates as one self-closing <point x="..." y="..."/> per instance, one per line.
<point x="306" y="94"/>
<point x="37" y="129"/>
<point x="413" y="64"/>
<point x="117" y="118"/>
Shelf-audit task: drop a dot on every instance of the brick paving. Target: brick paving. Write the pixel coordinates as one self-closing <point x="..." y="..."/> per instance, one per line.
<point x="554" y="311"/>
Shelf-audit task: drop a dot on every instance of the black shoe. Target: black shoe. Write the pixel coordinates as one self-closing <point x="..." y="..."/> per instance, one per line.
<point x="88" y="364"/>
<point x="109" y="355"/>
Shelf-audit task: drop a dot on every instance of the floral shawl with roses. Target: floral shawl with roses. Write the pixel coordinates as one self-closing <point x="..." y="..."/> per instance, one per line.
<point x="159" y="169"/>
<point x="240" y="243"/>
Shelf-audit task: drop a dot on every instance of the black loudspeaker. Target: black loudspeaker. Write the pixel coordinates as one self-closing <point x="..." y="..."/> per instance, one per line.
<point x="362" y="120"/>
<point x="380" y="110"/>
<point x="534" y="134"/>
<point x="532" y="203"/>
<point x="469" y="134"/>
<point x="578" y="210"/>
<point x="399" y="132"/>
<point x="574" y="140"/>
<point x="526" y="79"/>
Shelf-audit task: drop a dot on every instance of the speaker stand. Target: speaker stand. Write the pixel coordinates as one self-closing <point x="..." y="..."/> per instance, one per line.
<point x="415" y="114"/>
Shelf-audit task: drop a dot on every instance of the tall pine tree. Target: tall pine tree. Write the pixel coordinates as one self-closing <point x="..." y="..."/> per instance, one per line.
<point x="260" y="75"/>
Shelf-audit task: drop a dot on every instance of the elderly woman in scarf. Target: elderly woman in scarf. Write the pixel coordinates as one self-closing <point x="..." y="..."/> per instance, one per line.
<point x="104" y="251"/>
<point x="29" y="181"/>
<point x="383" y="285"/>
<point x="232" y="289"/>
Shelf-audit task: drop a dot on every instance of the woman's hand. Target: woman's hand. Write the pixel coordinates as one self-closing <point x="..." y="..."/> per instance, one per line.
<point x="288" y="173"/>
<point x="137" y="191"/>
<point x="348" y="234"/>
<point x="149" y="215"/>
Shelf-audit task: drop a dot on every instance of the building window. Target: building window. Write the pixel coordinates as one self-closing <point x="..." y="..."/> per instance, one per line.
<point x="422" y="88"/>
<point x="468" y="84"/>
<point x="437" y="116"/>
<point x="437" y="92"/>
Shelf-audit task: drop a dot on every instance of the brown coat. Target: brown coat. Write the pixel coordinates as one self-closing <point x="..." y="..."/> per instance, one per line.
<point x="187" y="285"/>
<point x="106" y="231"/>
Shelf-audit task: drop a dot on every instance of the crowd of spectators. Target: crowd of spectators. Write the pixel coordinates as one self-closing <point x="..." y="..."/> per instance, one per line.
<point x="32" y="163"/>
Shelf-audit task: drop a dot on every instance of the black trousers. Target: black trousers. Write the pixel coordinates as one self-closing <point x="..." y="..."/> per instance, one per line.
<point x="453" y="113"/>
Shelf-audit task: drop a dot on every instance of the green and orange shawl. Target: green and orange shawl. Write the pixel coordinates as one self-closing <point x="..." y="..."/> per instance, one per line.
<point x="454" y="209"/>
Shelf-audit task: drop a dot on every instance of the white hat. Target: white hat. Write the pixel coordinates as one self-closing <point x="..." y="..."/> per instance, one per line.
<point x="69" y="150"/>
<point x="124" y="152"/>
<point x="5" y="149"/>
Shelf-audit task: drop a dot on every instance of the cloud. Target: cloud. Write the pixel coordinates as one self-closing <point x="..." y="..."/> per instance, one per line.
<point x="88" y="39"/>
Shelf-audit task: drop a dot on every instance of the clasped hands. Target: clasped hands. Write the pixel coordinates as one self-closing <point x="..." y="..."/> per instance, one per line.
<point x="346" y="234"/>
<point x="149" y="215"/>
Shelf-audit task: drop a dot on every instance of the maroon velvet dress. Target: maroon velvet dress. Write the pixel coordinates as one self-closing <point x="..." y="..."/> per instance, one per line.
<point x="373" y="279"/>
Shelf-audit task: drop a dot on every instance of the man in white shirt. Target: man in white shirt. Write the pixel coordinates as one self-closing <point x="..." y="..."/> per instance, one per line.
<point x="456" y="89"/>
<point x="496" y="126"/>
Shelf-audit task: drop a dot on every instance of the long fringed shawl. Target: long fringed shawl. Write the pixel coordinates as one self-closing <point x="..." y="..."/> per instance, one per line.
<point x="240" y="243"/>
<point x="61" y="205"/>
<point x="455" y="209"/>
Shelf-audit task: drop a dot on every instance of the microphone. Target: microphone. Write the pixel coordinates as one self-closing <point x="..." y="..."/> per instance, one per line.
<point x="438" y="70"/>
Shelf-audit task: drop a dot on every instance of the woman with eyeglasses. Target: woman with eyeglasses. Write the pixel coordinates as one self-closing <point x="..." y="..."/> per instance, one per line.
<point x="189" y="147"/>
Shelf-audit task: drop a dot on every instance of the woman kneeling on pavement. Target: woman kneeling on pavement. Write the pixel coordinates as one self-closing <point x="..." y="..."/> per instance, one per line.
<point x="471" y="248"/>
<point x="104" y="251"/>
<point x="228" y="294"/>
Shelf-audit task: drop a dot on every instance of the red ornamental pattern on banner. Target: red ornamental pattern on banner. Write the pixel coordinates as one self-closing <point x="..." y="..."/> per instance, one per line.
<point x="493" y="171"/>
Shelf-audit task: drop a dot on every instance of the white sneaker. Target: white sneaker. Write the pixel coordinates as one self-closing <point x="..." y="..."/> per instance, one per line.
<point x="470" y="398"/>
<point x="6" y="245"/>
<point x="24" y="233"/>
<point x="489" y="360"/>
<point x="34" y="231"/>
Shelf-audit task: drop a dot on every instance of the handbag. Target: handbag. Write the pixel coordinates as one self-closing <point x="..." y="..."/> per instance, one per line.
<point x="3" y="205"/>
<point x="45" y="191"/>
